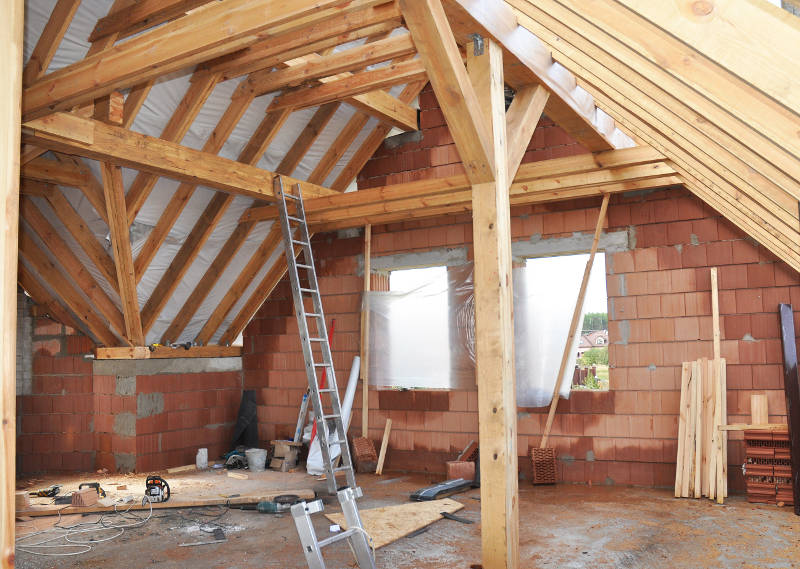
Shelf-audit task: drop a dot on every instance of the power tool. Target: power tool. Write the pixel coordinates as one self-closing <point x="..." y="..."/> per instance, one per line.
<point x="47" y="492"/>
<point x="95" y="485"/>
<point x="157" y="490"/>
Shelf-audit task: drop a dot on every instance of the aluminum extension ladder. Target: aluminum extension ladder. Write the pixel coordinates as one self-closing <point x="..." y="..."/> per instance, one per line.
<point x="325" y="400"/>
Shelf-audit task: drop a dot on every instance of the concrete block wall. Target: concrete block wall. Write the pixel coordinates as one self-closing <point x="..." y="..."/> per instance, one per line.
<point x="659" y="316"/>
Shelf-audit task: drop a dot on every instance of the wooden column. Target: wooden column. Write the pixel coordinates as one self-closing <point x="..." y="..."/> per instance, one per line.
<point x="10" y="100"/>
<point x="494" y="326"/>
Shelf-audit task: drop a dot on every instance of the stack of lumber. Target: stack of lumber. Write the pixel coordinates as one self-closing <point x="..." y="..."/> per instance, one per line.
<point x="702" y="465"/>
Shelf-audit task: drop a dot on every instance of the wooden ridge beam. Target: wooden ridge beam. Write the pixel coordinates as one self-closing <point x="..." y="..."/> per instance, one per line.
<point x="219" y="29"/>
<point x="200" y="88"/>
<point x="125" y="148"/>
<point x="580" y="117"/>
<point x="207" y="282"/>
<point x="439" y="52"/>
<point x="358" y="84"/>
<point x="71" y="264"/>
<point x="121" y="246"/>
<point x="141" y="15"/>
<point x="72" y="299"/>
<point x="260" y="256"/>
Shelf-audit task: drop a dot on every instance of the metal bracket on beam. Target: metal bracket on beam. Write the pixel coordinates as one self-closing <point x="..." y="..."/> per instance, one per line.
<point x="477" y="44"/>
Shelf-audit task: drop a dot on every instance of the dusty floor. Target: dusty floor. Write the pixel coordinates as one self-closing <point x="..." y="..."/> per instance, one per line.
<point x="566" y="526"/>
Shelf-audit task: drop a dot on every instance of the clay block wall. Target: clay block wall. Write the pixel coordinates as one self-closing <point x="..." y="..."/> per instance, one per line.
<point x="178" y="413"/>
<point x="121" y="419"/>
<point x="659" y="311"/>
<point x="56" y="428"/>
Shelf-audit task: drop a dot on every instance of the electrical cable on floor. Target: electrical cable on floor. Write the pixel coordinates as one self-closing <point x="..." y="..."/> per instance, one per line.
<point x="369" y="541"/>
<point x="211" y="514"/>
<point x="111" y="521"/>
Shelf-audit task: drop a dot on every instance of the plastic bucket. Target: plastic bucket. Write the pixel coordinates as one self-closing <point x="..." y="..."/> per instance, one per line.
<point x="256" y="459"/>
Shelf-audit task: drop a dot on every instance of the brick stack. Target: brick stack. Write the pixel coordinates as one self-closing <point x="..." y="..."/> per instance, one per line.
<point x="768" y="470"/>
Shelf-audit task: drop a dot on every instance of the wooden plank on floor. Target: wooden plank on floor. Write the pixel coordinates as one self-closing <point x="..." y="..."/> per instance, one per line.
<point x="390" y="523"/>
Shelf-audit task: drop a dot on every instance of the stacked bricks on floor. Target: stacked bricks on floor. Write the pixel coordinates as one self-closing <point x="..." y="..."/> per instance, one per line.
<point x="56" y="426"/>
<point x="659" y="316"/>
<point x="77" y="420"/>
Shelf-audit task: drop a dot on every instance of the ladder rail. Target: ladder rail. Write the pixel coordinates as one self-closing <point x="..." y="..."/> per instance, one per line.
<point x="300" y="237"/>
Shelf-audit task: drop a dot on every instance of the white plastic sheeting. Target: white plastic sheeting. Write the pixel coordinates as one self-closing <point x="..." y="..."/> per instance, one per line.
<point x="425" y="337"/>
<point x="156" y="111"/>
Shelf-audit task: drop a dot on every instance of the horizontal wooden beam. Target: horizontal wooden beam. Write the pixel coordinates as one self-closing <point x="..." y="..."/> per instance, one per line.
<point x="309" y="68"/>
<point x="558" y="178"/>
<point x="166" y="352"/>
<point x="125" y="148"/>
<point x="223" y="27"/>
<point x="358" y="84"/>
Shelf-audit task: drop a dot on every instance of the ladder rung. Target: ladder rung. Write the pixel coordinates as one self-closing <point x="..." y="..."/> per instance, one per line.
<point x="297" y="219"/>
<point x="291" y="196"/>
<point x="337" y="442"/>
<point x="312" y="315"/>
<point x="302" y="266"/>
<point x="297" y="242"/>
<point x="311" y="290"/>
<point x="342" y="468"/>
<point x="326" y="390"/>
<point x="334" y="538"/>
<point x="323" y="365"/>
<point x="332" y="416"/>
<point x="318" y="339"/>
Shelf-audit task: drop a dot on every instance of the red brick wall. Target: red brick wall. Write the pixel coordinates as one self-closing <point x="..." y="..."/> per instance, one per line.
<point x="56" y="428"/>
<point x="659" y="311"/>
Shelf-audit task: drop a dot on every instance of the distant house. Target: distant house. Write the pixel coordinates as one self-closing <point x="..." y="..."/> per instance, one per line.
<point x="595" y="339"/>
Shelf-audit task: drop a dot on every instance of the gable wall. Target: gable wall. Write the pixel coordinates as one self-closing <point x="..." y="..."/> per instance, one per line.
<point x="659" y="312"/>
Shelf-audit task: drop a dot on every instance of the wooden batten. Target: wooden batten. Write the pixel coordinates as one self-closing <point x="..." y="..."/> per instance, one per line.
<point x="165" y="352"/>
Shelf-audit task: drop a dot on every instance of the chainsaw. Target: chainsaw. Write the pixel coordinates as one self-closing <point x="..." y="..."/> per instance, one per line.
<point x="156" y="490"/>
<point x="47" y="492"/>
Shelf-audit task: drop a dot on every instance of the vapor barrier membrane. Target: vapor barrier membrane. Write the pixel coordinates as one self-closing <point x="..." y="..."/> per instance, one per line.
<point x="425" y="338"/>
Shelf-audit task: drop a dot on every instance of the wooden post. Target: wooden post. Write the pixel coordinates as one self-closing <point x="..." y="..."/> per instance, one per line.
<point x="494" y="327"/>
<point x="10" y="104"/>
<point x="365" y="333"/>
<point x="576" y="316"/>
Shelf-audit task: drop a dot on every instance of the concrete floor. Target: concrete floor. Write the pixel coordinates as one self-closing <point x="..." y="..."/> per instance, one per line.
<point x="564" y="526"/>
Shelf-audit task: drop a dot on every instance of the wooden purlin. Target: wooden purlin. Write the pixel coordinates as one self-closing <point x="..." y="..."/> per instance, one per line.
<point x="756" y="195"/>
<point x="141" y="15"/>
